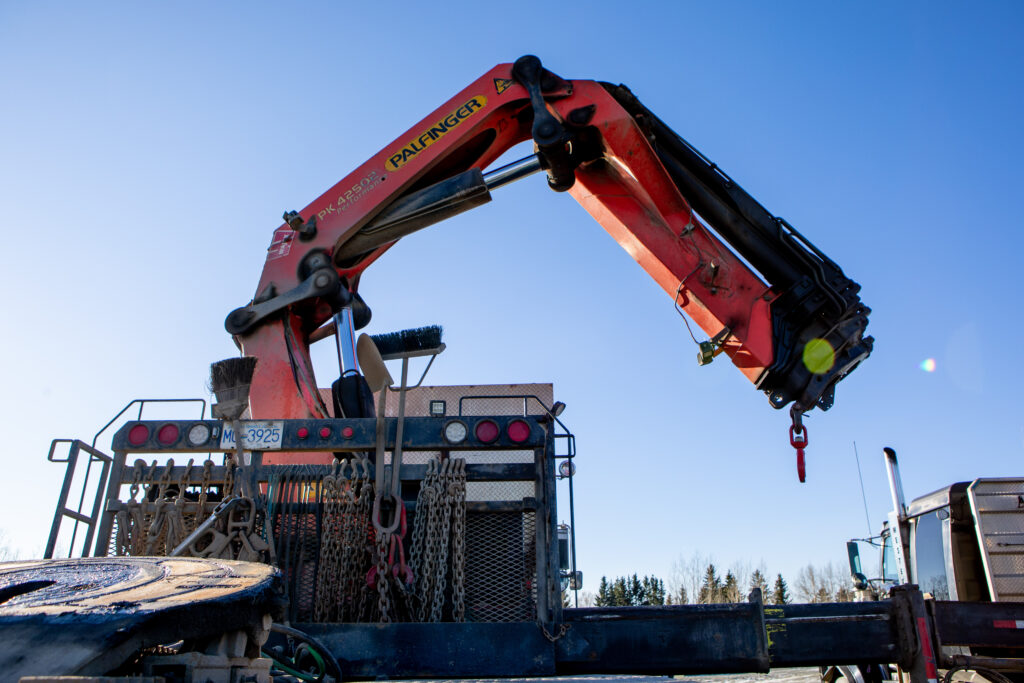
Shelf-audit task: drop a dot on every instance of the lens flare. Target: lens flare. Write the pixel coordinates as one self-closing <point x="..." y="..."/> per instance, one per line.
<point x="928" y="365"/>
<point x="819" y="356"/>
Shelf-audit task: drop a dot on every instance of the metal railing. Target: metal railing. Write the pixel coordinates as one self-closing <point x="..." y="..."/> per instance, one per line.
<point x="76" y="446"/>
<point x="63" y="510"/>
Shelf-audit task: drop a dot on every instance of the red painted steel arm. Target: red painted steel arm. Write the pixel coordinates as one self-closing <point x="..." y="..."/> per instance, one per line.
<point x="629" y="193"/>
<point x="621" y="178"/>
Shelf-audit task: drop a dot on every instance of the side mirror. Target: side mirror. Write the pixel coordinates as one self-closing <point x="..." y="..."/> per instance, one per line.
<point x="860" y="581"/>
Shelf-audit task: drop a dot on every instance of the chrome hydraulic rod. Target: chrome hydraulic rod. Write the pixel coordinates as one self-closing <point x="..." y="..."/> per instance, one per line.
<point x="433" y="204"/>
<point x="509" y="173"/>
<point x="345" y="340"/>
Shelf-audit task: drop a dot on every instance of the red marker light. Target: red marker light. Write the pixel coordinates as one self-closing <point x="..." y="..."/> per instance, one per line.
<point x="518" y="431"/>
<point x="325" y="432"/>
<point x="302" y="433"/>
<point x="138" y="435"/>
<point x="168" y="434"/>
<point x="487" y="431"/>
<point x="347" y="432"/>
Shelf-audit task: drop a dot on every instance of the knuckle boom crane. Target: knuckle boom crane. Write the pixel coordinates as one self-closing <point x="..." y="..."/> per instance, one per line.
<point x="792" y="322"/>
<point x="313" y="492"/>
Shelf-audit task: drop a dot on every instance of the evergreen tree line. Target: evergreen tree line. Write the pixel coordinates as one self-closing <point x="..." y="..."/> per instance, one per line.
<point x="631" y="591"/>
<point x="692" y="584"/>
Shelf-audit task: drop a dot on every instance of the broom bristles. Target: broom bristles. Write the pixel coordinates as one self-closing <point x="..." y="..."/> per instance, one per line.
<point x="417" y="339"/>
<point x="231" y="372"/>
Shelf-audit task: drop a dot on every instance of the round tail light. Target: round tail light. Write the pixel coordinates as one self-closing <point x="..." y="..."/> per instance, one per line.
<point x="487" y="431"/>
<point x="455" y="432"/>
<point x="518" y="431"/>
<point x="138" y="435"/>
<point x="198" y="434"/>
<point x="168" y="434"/>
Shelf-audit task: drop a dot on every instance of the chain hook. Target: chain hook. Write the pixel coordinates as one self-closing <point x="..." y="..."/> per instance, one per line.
<point x="798" y="440"/>
<point x="400" y="570"/>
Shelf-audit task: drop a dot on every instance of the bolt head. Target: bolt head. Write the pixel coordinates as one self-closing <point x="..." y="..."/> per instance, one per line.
<point x="547" y="129"/>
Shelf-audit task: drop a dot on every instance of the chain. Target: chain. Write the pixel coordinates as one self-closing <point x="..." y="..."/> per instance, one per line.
<point x="165" y="479"/>
<point x="418" y="530"/>
<point x="204" y="490"/>
<point x="229" y="477"/>
<point x="177" y="526"/>
<point x="136" y="478"/>
<point x="358" y="550"/>
<point x="330" y="547"/>
<point x="424" y="500"/>
<point x="383" y="585"/>
<point x="185" y="479"/>
<point x="146" y="516"/>
<point x="439" y="533"/>
<point x="346" y="548"/>
<point x="443" y="529"/>
<point x="459" y="542"/>
<point x="160" y="519"/>
<point x="128" y="540"/>
<point x="561" y="631"/>
<point x="156" y="534"/>
<point x="428" y="517"/>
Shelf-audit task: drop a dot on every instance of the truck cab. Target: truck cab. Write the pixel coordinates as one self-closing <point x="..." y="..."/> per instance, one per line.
<point x="963" y="542"/>
<point x="941" y="552"/>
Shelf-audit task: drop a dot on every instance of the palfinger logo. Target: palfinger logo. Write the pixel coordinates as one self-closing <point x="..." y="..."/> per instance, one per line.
<point x="435" y="133"/>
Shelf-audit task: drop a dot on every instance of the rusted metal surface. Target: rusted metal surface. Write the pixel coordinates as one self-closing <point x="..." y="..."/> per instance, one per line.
<point x="87" y="616"/>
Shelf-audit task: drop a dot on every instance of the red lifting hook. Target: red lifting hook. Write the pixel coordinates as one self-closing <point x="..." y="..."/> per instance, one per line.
<point x="798" y="440"/>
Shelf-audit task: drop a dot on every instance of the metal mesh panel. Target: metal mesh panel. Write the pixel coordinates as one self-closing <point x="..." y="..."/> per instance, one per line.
<point x="1009" y="567"/>
<point x="499" y="490"/>
<point x="999" y="494"/>
<point x="296" y="523"/>
<point x="496" y="457"/>
<point x="447" y="398"/>
<point x="413" y="457"/>
<point x="498" y="406"/>
<point x="997" y="505"/>
<point x="1000" y="524"/>
<point x="298" y="537"/>
<point x="500" y="566"/>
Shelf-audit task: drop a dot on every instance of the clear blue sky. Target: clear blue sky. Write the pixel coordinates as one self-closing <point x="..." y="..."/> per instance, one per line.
<point x="148" y="150"/>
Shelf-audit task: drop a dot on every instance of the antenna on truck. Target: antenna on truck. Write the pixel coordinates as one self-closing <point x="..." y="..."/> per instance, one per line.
<point x="863" y="495"/>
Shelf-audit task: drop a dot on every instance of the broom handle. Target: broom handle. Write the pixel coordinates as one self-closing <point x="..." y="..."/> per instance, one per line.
<point x="382" y="403"/>
<point x="240" y="471"/>
<point x="396" y="460"/>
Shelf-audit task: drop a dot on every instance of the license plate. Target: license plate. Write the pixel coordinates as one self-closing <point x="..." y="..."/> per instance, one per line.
<point x="256" y="436"/>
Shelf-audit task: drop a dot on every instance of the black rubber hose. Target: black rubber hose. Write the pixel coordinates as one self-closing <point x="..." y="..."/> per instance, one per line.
<point x="310" y="640"/>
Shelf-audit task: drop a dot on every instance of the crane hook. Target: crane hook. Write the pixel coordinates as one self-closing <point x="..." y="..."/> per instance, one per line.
<point x="798" y="440"/>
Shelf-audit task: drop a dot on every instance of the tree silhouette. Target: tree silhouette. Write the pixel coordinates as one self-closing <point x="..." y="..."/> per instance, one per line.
<point x="711" y="589"/>
<point x="757" y="580"/>
<point x="731" y="588"/>
<point x="630" y="591"/>
<point x="620" y="592"/>
<point x="604" y="594"/>
<point x="780" y="596"/>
